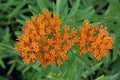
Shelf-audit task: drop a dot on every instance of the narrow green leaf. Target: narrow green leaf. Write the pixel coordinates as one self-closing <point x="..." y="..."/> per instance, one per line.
<point x="113" y="8"/>
<point x="6" y="37"/>
<point x="18" y="33"/>
<point x="36" y="66"/>
<point x="102" y="78"/>
<point x="86" y="73"/>
<point x="115" y="76"/>
<point x="41" y="4"/>
<point x="11" y="69"/>
<point x="24" y="17"/>
<point x="2" y="64"/>
<point x="84" y="13"/>
<point x="17" y="9"/>
<point x="32" y="9"/>
<point x="2" y="78"/>
<point x="116" y="44"/>
<point x="2" y="48"/>
<point x="61" y="7"/>
<point x="72" y="12"/>
<point x="26" y="69"/>
<point x="7" y="46"/>
<point x="8" y="4"/>
<point x="22" y="22"/>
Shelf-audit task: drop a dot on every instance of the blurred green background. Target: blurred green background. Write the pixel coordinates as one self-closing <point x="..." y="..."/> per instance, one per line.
<point x="13" y="14"/>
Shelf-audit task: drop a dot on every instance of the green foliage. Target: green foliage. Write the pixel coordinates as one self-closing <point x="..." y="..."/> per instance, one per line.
<point x="13" y="14"/>
<point x="2" y="78"/>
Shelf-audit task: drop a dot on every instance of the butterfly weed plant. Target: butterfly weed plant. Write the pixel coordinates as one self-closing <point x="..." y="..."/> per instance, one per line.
<point x="61" y="40"/>
<point x="42" y="40"/>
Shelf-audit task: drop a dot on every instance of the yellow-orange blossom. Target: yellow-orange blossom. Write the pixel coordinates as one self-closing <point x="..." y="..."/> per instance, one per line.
<point x="42" y="39"/>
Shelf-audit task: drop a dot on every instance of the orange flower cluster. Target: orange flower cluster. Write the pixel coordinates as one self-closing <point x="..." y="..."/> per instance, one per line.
<point x="94" y="39"/>
<point x="42" y="40"/>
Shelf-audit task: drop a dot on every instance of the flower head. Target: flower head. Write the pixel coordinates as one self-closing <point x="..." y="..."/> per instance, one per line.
<point x="43" y="41"/>
<point x="94" y="39"/>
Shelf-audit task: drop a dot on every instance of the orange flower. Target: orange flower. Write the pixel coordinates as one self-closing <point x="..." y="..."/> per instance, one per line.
<point x="94" y="39"/>
<point x="42" y="40"/>
<point x="85" y="36"/>
<point x="101" y="44"/>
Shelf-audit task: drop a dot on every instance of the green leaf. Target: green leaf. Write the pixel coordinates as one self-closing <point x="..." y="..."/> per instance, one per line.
<point x="36" y="66"/>
<point x="88" y="72"/>
<point x="11" y="68"/>
<point x="8" y="4"/>
<point x="22" y="22"/>
<point x="62" y="8"/>
<point x="41" y="4"/>
<point x="17" y="9"/>
<point x="116" y="44"/>
<point x="6" y="37"/>
<point x="113" y="9"/>
<point x="18" y="33"/>
<point x="2" y="64"/>
<point x="26" y="69"/>
<point x="115" y="76"/>
<point x="32" y="9"/>
<point x="102" y="77"/>
<point x="2" y="48"/>
<point x="115" y="67"/>
<point x="2" y="78"/>
<point x="85" y="13"/>
<point x="72" y="12"/>
<point x="6" y="46"/>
